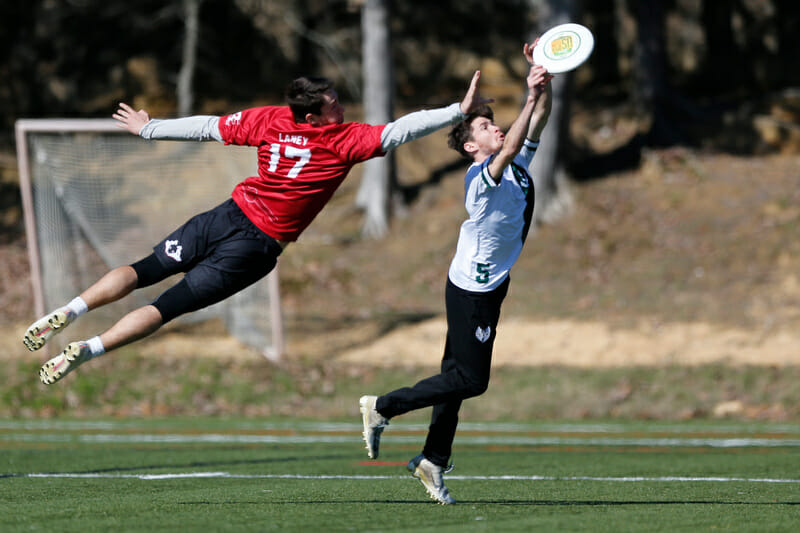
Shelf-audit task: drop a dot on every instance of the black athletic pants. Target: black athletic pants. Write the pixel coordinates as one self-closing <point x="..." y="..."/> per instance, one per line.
<point x="471" y="328"/>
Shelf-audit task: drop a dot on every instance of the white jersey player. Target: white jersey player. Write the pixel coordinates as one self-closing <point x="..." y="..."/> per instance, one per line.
<point x="499" y="200"/>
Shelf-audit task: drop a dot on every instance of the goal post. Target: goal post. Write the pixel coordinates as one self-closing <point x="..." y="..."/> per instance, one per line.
<point x="96" y="197"/>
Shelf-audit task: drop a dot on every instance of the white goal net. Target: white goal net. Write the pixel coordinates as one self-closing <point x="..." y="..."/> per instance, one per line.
<point x="96" y="197"/>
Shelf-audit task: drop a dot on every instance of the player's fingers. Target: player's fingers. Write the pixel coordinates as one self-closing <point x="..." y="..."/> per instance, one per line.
<point x="473" y="85"/>
<point x="529" y="53"/>
<point x="472" y="92"/>
<point x="539" y="71"/>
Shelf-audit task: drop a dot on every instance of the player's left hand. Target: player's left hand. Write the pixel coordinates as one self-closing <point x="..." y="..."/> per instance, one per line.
<point x="473" y="99"/>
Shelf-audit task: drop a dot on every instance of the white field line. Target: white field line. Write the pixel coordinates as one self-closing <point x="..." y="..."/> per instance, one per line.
<point x="339" y="427"/>
<point x="626" y="479"/>
<point x="462" y="439"/>
<point x="38" y="433"/>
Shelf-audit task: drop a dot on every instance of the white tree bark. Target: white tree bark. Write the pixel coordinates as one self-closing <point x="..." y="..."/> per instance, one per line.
<point x="185" y="89"/>
<point x="377" y="179"/>
<point x="553" y="198"/>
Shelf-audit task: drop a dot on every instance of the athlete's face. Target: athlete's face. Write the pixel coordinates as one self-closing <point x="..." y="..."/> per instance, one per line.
<point x="486" y="137"/>
<point x="332" y="112"/>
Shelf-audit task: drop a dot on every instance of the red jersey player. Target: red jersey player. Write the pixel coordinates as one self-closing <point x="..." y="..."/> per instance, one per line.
<point x="300" y="165"/>
<point x="305" y="151"/>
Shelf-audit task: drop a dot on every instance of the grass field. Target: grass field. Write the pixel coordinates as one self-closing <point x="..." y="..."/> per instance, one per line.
<point x="215" y="474"/>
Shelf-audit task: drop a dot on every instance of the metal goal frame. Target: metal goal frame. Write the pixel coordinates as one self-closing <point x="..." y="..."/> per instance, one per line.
<point x="22" y="128"/>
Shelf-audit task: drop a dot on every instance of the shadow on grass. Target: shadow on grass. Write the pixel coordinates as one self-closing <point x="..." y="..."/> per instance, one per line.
<point x="194" y="464"/>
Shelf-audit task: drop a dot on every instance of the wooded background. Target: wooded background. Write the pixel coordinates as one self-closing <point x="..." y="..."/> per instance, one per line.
<point x="708" y="73"/>
<point x="80" y="57"/>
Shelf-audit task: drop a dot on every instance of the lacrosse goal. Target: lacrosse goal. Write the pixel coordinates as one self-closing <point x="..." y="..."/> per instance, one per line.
<point x="96" y="197"/>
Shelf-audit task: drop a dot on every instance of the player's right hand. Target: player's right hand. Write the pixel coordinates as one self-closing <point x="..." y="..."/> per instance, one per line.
<point x="130" y="120"/>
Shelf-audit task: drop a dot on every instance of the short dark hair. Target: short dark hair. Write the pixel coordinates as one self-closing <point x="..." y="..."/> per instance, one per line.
<point x="462" y="132"/>
<point x="304" y="96"/>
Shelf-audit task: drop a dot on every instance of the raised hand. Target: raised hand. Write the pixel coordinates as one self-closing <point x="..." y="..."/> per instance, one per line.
<point x="130" y="120"/>
<point x="527" y="50"/>
<point x="473" y="99"/>
<point x="537" y="78"/>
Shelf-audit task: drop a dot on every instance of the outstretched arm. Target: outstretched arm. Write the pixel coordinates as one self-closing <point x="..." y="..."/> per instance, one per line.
<point x="512" y="144"/>
<point x="195" y="128"/>
<point x="421" y="123"/>
<point x="541" y="111"/>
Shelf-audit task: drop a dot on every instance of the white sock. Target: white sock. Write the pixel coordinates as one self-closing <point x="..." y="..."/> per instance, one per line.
<point x="78" y="306"/>
<point x="96" y="347"/>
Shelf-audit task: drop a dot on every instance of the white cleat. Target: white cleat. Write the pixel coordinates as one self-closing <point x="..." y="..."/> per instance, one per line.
<point x="373" y="424"/>
<point x="75" y="354"/>
<point x="46" y="327"/>
<point x="431" y="477"/>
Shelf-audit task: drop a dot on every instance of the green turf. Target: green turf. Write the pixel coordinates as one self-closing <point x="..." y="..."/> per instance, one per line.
<point x="285" y="475"/>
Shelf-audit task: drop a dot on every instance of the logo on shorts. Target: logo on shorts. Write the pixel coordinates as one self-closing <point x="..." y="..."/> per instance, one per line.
<point x="483" y="334"/>
<point x="173" y="250"/>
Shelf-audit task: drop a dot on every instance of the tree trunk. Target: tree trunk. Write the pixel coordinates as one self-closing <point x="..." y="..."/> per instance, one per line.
<point x="650" y="68"/>
<point x="723" y="55"/>
<point x="552" y="195"/>
<point x="185" y="91"/>
<point x="653" y="95"/>
<point x="377" y="182"/>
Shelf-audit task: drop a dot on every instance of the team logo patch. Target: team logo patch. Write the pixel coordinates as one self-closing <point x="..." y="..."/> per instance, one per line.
<point x="521" y="176"/>
<point x="483" y="334"/>
<point x="173" y="250"/>
<point x="234" y="119"/>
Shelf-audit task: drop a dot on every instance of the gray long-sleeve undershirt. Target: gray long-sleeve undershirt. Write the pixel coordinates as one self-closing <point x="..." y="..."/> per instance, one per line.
<point x="406" y="128"/>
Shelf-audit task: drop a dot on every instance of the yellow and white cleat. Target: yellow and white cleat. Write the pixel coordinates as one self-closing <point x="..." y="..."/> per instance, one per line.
<point x="75" y="354"/>
<point x="46" y="327"/>
<point x="430" y="475"/>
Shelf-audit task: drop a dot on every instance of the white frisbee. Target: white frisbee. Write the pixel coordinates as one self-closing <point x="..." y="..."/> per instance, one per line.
<point x="564" y="48"/>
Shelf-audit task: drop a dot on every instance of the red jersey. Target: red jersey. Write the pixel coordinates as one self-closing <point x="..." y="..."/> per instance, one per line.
<point x="299" y="166"/>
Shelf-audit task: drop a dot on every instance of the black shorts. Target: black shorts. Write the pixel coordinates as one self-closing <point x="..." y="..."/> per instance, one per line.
<point x="220" y="251"/>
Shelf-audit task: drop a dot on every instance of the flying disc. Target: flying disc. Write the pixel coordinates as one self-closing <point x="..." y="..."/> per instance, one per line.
<point x="564" y="47"/>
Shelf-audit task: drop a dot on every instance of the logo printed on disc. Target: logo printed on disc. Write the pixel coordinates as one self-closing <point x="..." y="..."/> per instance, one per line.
<point x="563" y="45"/>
